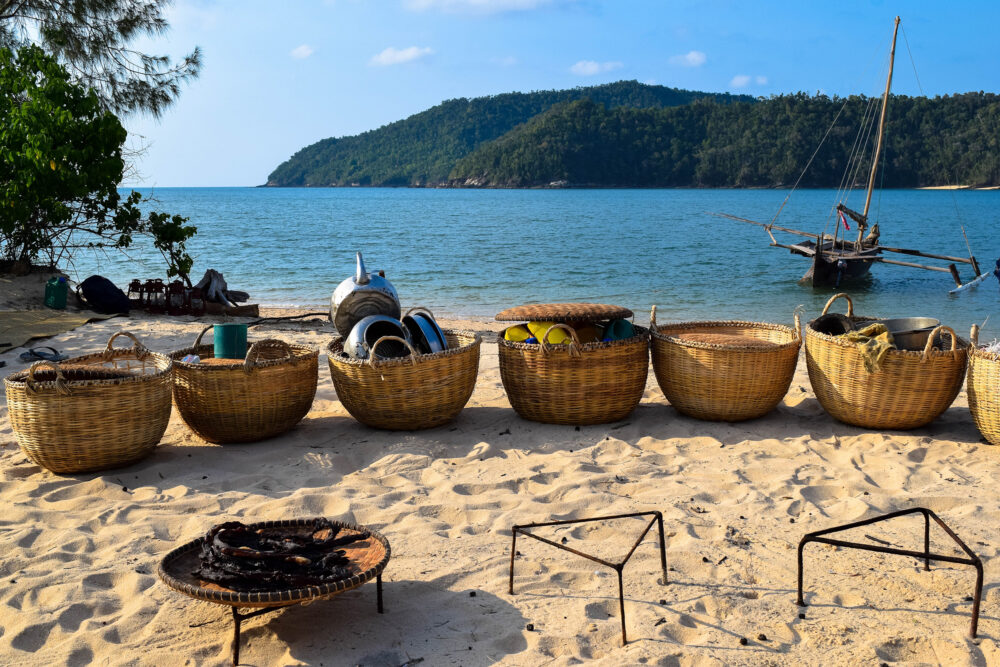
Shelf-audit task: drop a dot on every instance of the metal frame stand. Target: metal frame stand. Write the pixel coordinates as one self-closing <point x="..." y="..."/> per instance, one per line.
<point x="925" y="555"/>
<point x="238" y="618"/>
<point x="617" y="567"/>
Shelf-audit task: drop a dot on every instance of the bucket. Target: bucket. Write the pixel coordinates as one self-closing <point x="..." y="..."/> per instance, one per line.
<point x="230" y="341"/>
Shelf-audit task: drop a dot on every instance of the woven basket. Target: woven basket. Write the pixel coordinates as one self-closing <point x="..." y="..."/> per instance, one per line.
<point x="591" y="383"/>
<point x="724" y="371"/>
<point x="245" y="401"/>
<point x="407" y="393"/>
<point x="984" y="389"/>
<point x="911" y="388"/>
<point x="93" y="412"/>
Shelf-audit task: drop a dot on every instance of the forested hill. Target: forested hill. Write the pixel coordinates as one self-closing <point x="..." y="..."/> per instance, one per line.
<point x="945" y="140"/>
<point x="424" y="148"/>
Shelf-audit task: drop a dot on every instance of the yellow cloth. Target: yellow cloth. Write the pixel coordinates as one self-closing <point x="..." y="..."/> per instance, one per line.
<point x="538" y="330"/>
<point x="874" y="341"/>
<point x="517" y="334"/>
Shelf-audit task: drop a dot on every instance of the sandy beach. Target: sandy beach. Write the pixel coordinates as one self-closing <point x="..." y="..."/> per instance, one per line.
<point x="80" y="551"/>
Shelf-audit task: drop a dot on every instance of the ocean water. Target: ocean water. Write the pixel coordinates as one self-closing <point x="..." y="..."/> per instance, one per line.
<point x="476" y="252"/>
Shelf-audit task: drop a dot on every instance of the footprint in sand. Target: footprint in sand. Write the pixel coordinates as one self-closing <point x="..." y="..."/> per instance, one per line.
<point x="32" y="637"/>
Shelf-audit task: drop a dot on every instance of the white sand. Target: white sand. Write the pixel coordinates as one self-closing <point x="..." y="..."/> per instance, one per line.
<point x="80" y="551"/>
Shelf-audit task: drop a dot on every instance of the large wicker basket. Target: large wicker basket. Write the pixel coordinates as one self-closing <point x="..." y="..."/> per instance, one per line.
<point x="93" y="412"/>
<point x="589" y="383"/>
<point x="911" y="389"/>
<point x="724" y="371"/>
<point x="266" y="394"/>
<point x="407" y="393"/>
<point x="984" y="389"/>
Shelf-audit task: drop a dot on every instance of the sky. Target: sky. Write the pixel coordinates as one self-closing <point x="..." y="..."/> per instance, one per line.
<point x="278" y="76"/>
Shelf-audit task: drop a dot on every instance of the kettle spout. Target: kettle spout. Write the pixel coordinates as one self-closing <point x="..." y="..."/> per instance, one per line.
<point x="361" y="277"/>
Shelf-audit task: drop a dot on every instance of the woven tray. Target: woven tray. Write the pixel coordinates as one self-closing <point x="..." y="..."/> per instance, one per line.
<point x="563" y="312"/>
<point x="368" y="558"/>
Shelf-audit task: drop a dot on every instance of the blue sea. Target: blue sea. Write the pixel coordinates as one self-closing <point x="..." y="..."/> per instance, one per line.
<point x="476" y="252"/>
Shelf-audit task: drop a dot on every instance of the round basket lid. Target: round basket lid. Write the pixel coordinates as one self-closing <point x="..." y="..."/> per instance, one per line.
<point x="563" y="312"/>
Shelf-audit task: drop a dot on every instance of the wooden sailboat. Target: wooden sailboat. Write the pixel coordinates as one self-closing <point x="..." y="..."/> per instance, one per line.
<point x="837" y="259"/>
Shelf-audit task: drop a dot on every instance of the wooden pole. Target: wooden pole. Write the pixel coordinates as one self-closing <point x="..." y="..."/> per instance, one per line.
<point x="929" y="255"/>
<point x="881" y="132"/>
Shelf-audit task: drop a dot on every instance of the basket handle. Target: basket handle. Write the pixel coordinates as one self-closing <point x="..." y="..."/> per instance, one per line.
<point x="413" y="352"/>
<point x="844" y="295"/>
<point x="798" y="324"/>
<point x="574" y="347"/>
<point x="250" y="362"/>
<point x="419" y="308"/>
<point x="138" y="349"/>
<point x="652" y="318"/>
<point x="974" y="335"/>
<point x="197" y="341"/>
<point x="930" y="342"/>
<point x="61" y="385"/>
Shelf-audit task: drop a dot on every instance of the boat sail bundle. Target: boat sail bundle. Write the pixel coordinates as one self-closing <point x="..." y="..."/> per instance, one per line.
<point x="835" y="258"/>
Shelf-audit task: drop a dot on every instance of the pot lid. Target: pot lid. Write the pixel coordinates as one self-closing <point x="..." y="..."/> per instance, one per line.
<point x="563" y="312"/>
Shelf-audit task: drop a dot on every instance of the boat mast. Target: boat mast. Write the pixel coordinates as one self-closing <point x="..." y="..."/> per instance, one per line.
<point x="881" y="131"/>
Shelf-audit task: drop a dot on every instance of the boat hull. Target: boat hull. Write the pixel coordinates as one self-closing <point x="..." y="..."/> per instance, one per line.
<point x="833" y="266"/>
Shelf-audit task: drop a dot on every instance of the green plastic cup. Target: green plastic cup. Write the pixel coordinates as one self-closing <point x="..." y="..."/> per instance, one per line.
<point x="230" y="341"/>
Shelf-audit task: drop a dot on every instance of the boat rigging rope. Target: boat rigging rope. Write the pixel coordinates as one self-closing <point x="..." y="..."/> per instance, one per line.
<point x="954" y="199"/>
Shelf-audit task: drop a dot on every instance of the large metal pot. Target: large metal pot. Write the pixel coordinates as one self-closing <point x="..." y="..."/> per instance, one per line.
<point x="358" y="344"/>
<point x="360" y="296"/>
<point x="910" y="333"/>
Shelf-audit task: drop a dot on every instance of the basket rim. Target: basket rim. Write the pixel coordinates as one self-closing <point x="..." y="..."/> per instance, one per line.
<point x="658" y="334"/>
<point x="272" y="598"/>
<point x="164" y="366"/>
<point x="300" y="353"/>
<point x="980" y="352"/>
<point x="962" y="346"/>
<point x="407" y="360"/>
<point x="642" y="335"/>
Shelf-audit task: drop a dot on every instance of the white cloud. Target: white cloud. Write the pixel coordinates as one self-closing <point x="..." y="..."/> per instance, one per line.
<point x="591" y="67"/>
<point x="393" y="56"/>
<point x="689" y="59"/>
<point x="760" y="80"/>
<point x="506" y="61"/>
<point x="479" y="6"/>
<point x="740" y="81"/>
<point x="300" y="52"/>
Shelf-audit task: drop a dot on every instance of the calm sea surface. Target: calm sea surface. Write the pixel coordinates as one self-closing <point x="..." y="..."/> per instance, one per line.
<point x="475" y="252"/>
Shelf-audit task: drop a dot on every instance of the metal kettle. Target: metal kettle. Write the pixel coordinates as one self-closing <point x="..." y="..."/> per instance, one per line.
<point x="362" y="295"/>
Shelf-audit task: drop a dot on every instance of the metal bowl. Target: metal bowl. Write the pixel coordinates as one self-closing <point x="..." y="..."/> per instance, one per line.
<point x="910" y="333"/>
<point x="368" y="330"/>
<point x="425" y="333"/>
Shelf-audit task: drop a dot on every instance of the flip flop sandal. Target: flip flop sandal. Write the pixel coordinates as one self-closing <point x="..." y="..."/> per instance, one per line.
<point x="40" y="354"/>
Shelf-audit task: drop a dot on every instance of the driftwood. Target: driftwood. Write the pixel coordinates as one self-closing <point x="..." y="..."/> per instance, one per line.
<point x="215" y="289"/>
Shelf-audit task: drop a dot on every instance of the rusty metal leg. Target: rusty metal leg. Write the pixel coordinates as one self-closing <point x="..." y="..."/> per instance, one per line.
<point x="237" y="619"/>
<point x="513" y="551"/>
<point x="621" y="603"/>
<point x="663" y="548"/>
<point x="927" y="541"/>
<point x="801" y="602"/>
<point x="977" y="599"/>
<point x="378" y="592"/>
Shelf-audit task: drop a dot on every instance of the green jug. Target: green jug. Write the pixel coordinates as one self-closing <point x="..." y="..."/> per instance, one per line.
<point x="55" y="293"/>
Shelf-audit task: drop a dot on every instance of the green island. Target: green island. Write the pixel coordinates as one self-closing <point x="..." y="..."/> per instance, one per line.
<point x="628" y="134"/>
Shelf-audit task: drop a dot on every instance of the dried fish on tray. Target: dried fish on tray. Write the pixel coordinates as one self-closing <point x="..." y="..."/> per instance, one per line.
<point x="242" y="558"/>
